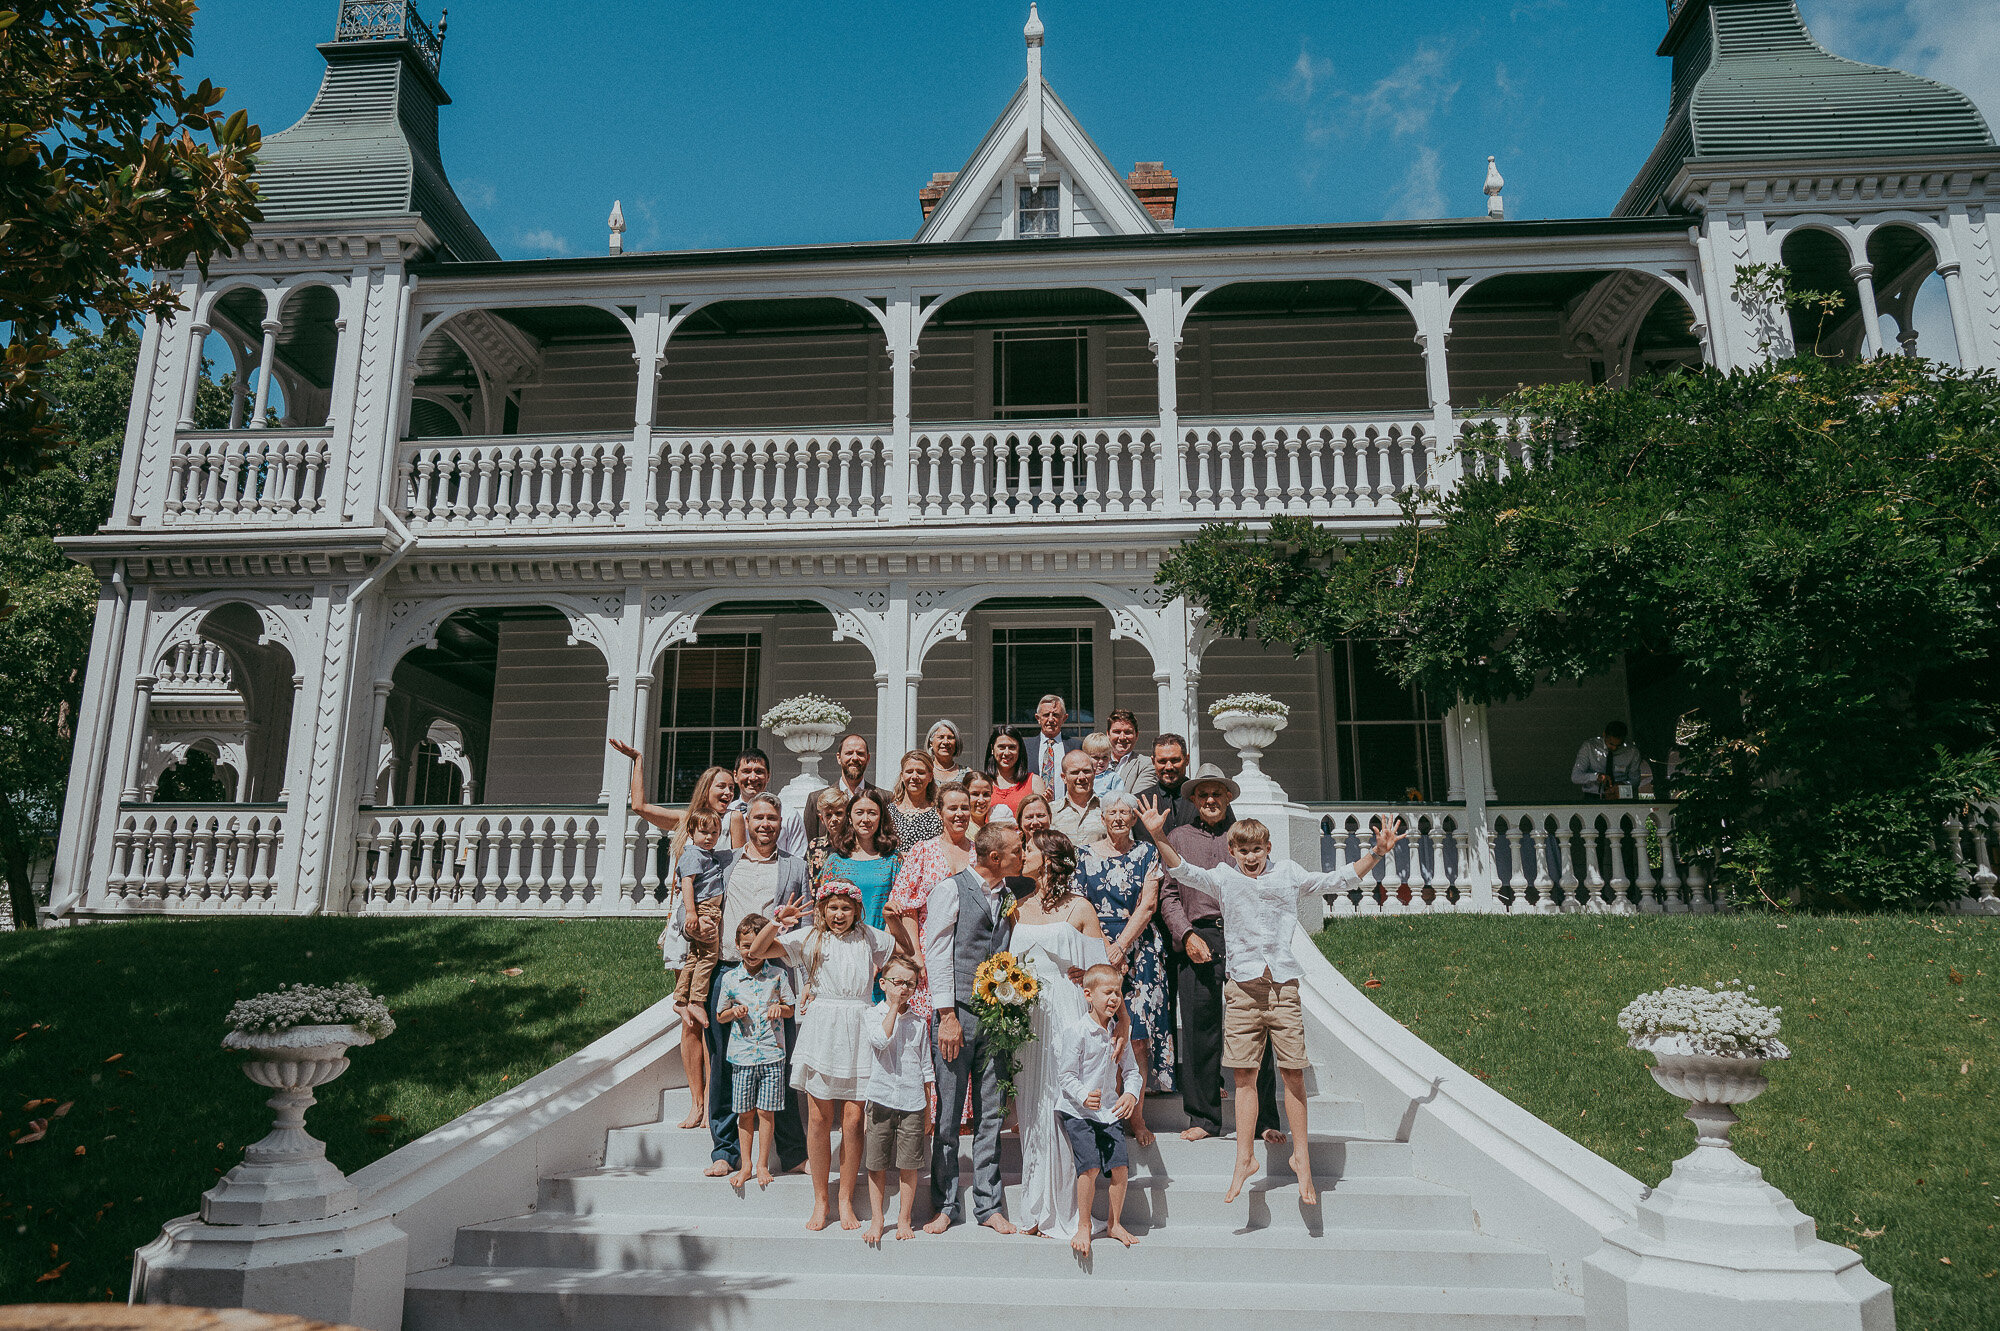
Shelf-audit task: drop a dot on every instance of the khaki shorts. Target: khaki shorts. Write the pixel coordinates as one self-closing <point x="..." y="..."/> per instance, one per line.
<point x="892" y="1138"/>
<point x="1259" y="1010"/>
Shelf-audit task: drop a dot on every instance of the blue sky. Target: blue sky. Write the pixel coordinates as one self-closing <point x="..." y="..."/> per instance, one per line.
<point x="750" y="125"/>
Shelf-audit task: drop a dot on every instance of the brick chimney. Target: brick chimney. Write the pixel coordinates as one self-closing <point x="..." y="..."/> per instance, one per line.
<point x="1156" y="187"/>
<point x="932" y="194"/>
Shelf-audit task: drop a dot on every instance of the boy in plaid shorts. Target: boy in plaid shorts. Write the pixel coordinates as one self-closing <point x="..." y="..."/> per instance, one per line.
<point x="755" y="999"/>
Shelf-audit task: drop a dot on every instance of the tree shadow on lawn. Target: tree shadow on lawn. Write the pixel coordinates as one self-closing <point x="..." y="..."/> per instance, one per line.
<point x="125" y="1021"/>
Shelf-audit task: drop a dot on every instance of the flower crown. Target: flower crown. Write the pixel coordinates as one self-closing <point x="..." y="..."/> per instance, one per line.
<point x="838" y="887"/>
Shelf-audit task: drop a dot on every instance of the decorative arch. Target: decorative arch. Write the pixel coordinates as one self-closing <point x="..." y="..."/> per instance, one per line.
<point x="282" y="624"/>
<point x="938" y="614"/>
<point x="1679" y="286"/>
<point x="920" y="318"/>
<point x="414" y="623"/>
<point x="685" y="310"/>
<point x="1195" y="296"/>
<point x="858" y="616"/>
<point x="205" y="306"/>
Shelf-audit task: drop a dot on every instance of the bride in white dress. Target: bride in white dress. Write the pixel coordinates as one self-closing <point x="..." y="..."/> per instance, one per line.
<point x="1056" y="936"/>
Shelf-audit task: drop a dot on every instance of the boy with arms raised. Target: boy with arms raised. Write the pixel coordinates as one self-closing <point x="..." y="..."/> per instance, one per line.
<point x="1260" y="999"/>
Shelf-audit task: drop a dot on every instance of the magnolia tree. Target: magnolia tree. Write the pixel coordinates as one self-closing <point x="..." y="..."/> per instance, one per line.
<point x="1802" y="557"/>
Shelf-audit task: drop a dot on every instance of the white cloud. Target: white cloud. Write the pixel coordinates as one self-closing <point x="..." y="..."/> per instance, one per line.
<point x="1503" y="83"/>
<point x="1407" y="99"/>
<point x="544" y="243"/>
<point x="476" y="193"/>
<point x="1307" y="73"/>
<point x="1420" y="192"/>
<point x="1953" y="41"/>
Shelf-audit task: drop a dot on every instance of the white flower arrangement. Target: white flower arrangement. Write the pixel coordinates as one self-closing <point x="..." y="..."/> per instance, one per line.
<point x="1256" y="704"/>
<point x="312" y="1005"/>
<point x="1723" y="1019"/>
<point x="808" y="709"/>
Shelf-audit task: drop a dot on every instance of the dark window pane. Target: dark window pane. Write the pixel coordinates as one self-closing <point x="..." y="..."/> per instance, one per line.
<point x="1377" y="696"/>
<point x="708" y="708"/>
<point x="1040" y="373"/>
<point x="1388" y="761"/>
<point x="1031" y="663"/>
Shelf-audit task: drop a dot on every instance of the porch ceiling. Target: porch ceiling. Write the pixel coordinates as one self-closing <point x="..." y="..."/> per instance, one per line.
<point x="469" y="646"/>
<point x="1258" y="300"/>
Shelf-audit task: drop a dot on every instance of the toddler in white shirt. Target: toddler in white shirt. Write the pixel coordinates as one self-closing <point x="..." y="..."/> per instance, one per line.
<point x="899" y="1065"/>
<point x="1098" y="1086"/>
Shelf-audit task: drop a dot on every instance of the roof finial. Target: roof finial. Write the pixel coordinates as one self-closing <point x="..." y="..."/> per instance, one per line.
<point x="1033" y="32"/>
<point x="1494" y="184"/>
<point x="617" y="227"/>
<point x="1035" y="161"/>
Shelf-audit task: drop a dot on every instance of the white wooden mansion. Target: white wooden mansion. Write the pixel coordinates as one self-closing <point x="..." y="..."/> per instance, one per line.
<point x="508" y="508"/>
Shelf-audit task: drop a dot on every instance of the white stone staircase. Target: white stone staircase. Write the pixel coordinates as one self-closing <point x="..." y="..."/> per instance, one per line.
<point x="647" y="1241"/>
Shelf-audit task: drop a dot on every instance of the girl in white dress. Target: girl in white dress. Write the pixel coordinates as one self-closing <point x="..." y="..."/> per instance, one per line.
<point x="838" y="957"/>
<point x="1057" y="937"/>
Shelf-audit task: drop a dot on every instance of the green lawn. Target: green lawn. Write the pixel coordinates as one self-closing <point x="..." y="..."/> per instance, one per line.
<point x="125" y="1021"/>
<point x="1884" y="1126"/>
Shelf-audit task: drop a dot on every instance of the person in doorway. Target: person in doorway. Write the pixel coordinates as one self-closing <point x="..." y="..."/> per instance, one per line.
<point x="759" y="879"/>
<point x="1079" y="816"/>
<point x="1045" y="759"/>
<point x="851" y="756"/>
<point x="1133" y="768"/>
<point x="1608" y="768"/>
<point x="1194" y="923"/>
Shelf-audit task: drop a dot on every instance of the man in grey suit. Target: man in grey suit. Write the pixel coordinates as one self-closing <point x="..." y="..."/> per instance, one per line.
<point x="1134" y="769"/>
<point x="967" y="922"/>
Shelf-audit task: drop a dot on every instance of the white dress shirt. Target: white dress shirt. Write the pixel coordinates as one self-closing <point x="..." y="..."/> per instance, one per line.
<point x="1259" y="914"/>
<point x="1053" y="750"/>
<point x="1090" y="1057"/>
<point x="899" y="1063"/>
<point x="940" y="923"/>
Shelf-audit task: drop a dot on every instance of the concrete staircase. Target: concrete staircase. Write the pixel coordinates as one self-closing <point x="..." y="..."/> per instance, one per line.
<point x="647" y="1242"/>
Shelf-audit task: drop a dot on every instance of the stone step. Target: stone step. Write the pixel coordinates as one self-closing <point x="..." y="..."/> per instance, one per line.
<point x="656" y="1146"/>
<point x="461" y="1298"/>
<point x="1154" y="1200"/>
<point x="1178" y="1252"/>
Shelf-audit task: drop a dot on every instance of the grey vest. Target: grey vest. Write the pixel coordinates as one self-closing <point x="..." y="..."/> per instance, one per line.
<point x="974" y="938"/>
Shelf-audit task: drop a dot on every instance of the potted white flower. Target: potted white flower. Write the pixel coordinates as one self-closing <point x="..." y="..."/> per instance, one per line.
<point x="1250" y="723"/>
<point x="297" y="1039"/>
<point x="807" y="726"/>
<point x="1711" y="1045"/>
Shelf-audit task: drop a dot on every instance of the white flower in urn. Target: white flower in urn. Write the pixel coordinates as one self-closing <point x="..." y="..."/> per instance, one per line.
<point x="1253" y="704"/>
<point x="312" y="1005"/>
<point x="808" y="709"/>
<point x="1723" y="1019"/>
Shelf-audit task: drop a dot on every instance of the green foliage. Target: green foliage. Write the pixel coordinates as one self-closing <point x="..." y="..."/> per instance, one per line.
<point x="1880" y="1127"/>
<point x="103" y="178"/>
<point x="1806" y="550"/>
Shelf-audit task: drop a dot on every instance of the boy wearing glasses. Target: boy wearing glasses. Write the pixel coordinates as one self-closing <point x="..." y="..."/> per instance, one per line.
<point x="899" y="1066"/>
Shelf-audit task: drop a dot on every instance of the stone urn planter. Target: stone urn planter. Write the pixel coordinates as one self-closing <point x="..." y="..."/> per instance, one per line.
<point x="1712" y="1083"/>
<point x="286" y="1177"/>
<point x="807" y="739"/>
<point x="1250" y="733"/>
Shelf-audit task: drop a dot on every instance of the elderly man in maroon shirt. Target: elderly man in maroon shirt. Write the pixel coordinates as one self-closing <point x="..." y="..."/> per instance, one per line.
<point x="1194" y="922"/>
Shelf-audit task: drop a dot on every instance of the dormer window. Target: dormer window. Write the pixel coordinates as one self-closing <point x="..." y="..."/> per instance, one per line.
<point x="1039" y="211"/>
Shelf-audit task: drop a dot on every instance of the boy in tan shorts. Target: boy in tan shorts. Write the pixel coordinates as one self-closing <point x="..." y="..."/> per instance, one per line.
<point x="1260" y="1000"/>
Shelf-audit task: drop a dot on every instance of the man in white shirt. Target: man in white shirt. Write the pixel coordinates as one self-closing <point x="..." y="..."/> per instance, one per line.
<point x="753" y="778"/>
<point x="1078" y="817"/>
<point x="1097" y="1087"/>
<point x="1609" y="768"/>
<point x="1051" y="714"/>
<point x="1260" y="1001"/>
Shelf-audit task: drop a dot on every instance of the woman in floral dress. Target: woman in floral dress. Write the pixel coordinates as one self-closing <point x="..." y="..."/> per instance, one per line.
<point x="1120" y="877"/>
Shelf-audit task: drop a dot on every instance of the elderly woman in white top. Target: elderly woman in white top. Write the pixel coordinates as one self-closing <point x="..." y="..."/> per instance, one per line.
<point x="942" y="743"/>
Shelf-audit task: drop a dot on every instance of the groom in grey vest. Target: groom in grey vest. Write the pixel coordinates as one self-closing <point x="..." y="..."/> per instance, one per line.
<point x="965" y="923"/>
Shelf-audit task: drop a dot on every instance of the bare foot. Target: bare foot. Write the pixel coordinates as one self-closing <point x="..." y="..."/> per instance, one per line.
<point x="763" y="1178"/>
<point x="697" y="1118"/>
<point x="739" y="1178"/>
<point x="1143" y="1135"/>
<point x="849" y="1220"/>
<point x="1195" y="1134"/>
<point x="938" y="1223"/>
<point x="873" y="1238"/>
<point x="716" y="1168"/>
<point x="903" y="1230"/>
<point x="1242" y="1176"/>
<point x="1081" y="1243"/>
<point x="1273" y="1137"/>
<point x="999" y="1224"/>
<point x="1123" y="1235"/>
<point x="818" y="1220"/>
<point x="700" y="1016"/>
<point x="1033" y="1231"/>
<point x="1308" y="1194"/>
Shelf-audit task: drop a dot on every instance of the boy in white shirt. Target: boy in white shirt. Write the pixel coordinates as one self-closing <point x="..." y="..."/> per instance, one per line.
<point x="899" y="1065"/>
<point x="1260" y="998"/>
<point x="1093" y="1065"/>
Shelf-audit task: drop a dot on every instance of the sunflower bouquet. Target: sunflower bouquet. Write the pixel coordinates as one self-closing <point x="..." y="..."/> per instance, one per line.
<point x="1003" y="992"/>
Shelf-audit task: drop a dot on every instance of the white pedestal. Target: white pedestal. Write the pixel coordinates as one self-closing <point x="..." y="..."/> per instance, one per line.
<point x="1715" y="1247"/>
<point x="346" y="1273"/>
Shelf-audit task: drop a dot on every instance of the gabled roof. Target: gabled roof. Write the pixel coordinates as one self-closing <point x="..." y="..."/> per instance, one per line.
<point x="974" y="207"/>
<point x="368" y="145"/>
<point x="1750" y="81"/>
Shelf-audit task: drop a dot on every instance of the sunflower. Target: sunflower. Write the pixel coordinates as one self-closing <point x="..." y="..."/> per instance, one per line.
<point x="983" y="990"/>
<point x="1030" y="987"/>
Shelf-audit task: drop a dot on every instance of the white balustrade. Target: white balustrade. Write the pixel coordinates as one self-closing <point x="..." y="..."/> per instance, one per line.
<point x="513" y="482"/>
<point x="195" y="667"/>
<point x="1427" y="875"/>
<point x="1514" y="451"/>
<point x="1007" y="471"/>
<point x="765" y="478"/>
<point x="481" y="859"/>
<point x="194" y="858"/>
<point x="1338" y="465"/>
<point x="1973" y="837"/>
<point x="263" y="475"/>
<point x="1618" y="858"/>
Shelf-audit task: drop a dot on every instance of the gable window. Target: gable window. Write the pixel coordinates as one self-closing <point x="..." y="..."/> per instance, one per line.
<point x="1038" y="211"/>
<point x="1041" y="373"/>
<point x="708" y="708"/>
<point x="1030" y="663"/>
<point x="1390" y="737"/>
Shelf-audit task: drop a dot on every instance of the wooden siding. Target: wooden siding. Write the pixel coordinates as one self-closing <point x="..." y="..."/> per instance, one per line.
<point x="1252" y="367"/>
<point x="1534" y="739"/>
<point x="550" y="705"/>
<point x="583" y="386"/>
<point x="941" y="379"/>
<point x="991" y="220"/>
<point x="816" y="379"/>
<point x="1495" y="351"/>
<point x="802" y="657"/>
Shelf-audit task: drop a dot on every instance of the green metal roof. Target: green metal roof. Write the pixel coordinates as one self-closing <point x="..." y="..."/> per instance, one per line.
<point x="1750" y="81"/>
<point x="368" y="147"/>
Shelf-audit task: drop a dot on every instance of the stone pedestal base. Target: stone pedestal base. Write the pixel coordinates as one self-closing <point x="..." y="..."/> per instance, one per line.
<point x="1718" y="1248"/>
<point x="325" y="1270"/>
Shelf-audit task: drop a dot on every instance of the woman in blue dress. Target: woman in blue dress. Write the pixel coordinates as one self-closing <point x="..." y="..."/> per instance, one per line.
<point x="1121" y="878"/>
<point x="867" y="855"/>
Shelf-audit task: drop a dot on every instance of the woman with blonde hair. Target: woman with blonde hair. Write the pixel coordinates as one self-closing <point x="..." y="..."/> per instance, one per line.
<point x="915" y="807"/>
